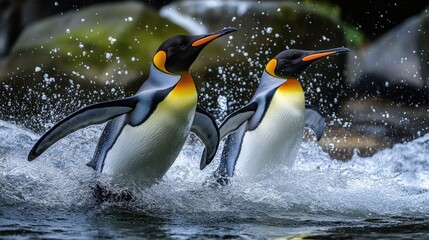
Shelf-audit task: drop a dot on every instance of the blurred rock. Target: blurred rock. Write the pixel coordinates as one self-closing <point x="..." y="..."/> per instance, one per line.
<point x="265" y="29"/>
<point x="375" y="17"/>
<point x="398" y="122"/>
<point x="76" y="47"/>
<point x="395" y="66"/>
<point x="367" y="124"/>
<point x="10" y="26"/>
<point x="99" y="53"/>
<point x="64" y="62"/>
<point x="389" y="84"/>
<point x="15" y="15"/>
<point x="342" y="143"/>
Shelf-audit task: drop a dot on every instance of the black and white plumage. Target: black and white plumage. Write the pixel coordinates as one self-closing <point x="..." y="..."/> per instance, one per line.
<point x="266" y="133"/>
<point x="147" y="131"/>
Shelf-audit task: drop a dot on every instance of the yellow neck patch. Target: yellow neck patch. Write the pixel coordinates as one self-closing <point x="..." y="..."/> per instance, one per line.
<point x="271" y="66"/>
<point x="159" y="61"/>
<point x="184" y="94"/>
<point x="185" y="86"/>
<point x="290" y="86"/>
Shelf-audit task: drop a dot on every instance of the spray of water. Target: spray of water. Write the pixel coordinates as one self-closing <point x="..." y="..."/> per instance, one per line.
<point x="394" y="181"/>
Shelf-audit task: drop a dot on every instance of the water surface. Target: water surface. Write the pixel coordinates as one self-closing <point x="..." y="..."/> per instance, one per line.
<point x="384" y="196"/>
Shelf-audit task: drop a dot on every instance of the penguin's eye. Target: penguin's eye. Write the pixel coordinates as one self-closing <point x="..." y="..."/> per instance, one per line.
<point x="181" y="45"/>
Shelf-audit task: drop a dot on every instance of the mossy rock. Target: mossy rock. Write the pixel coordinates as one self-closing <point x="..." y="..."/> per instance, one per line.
<point x="64" y="62"/>
<point x="265" y="29"/>
<point x="390" y="82"/>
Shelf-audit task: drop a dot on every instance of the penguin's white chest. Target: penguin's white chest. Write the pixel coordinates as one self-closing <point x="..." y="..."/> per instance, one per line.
<point x="144" y="153"/>
<point x="277" y="139"/>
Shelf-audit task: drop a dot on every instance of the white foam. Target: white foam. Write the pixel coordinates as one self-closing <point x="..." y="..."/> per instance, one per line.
<point x="392" y="182"/>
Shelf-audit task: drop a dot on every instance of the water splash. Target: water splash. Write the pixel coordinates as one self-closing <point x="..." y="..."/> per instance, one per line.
<point x="392" y="182"/>
<point x="58" y="179"/>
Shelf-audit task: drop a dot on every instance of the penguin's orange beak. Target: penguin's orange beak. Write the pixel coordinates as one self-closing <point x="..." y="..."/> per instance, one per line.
<point x="323" y="53"/>
<point x="205" y="39"/>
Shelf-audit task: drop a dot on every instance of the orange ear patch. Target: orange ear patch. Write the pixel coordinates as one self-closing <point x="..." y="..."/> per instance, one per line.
<point x="159" y="61"/>
<point x="271" y="66"/>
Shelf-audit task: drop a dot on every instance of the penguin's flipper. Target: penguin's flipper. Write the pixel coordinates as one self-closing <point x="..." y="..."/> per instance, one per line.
<point x="314" y="120"/>
<point x="205" y="128"/>
<point x="230" y="154"/>
<point x="235" y="119"/>
<point x="93" y="114"/>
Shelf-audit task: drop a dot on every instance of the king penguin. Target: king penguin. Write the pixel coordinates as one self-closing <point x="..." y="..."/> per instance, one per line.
<point x="147" y="130"/>
<point x="266" y="134"/>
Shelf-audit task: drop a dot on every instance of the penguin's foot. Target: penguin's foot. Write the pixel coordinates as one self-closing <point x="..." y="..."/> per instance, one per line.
<point x="217" y="181"/>
<point x="103" y="194"/>
<point x="222" y="181"/>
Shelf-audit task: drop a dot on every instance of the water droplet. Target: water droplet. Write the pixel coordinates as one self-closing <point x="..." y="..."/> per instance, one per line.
<point x="112" y="40"/>
<point x="222" y="103"/>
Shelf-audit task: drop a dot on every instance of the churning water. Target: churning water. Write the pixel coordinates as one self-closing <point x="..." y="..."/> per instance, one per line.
<point x="384" y="196"/>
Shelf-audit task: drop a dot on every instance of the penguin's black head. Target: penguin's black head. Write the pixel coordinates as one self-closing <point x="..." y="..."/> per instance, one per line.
<point x="178" y="53"/>
<point x="291" y="63"/>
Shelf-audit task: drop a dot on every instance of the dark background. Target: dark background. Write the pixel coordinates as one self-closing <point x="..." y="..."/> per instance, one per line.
<point x="373" y="18"/>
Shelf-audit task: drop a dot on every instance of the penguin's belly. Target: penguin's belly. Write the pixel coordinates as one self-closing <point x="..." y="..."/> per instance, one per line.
<point x="277" y="139"/>
<point x="143" y="154"/>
